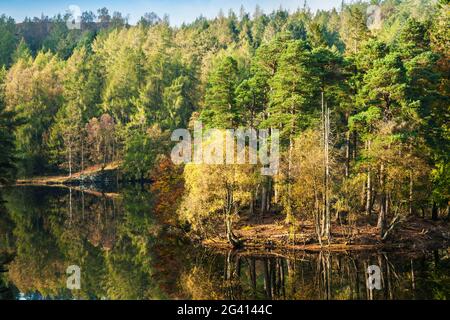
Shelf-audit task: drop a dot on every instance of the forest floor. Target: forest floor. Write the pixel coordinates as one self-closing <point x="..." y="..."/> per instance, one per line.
<point x="272" y="234"/>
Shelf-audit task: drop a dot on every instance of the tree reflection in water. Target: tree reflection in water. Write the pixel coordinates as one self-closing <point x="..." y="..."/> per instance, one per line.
<point x="128" y="247"/>
<point x="321" y="275"/>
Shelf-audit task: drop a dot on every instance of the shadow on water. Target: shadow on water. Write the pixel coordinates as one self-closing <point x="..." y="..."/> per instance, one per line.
<point x="128" y="248"/>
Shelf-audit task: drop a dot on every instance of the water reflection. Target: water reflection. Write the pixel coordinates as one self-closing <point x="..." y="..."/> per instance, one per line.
<point x="320" y="276"/>
<point x="128" y="247"/>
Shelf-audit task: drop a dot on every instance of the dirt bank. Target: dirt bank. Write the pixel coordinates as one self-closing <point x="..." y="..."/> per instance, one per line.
<point x="272" y="234"/>
<point x="92" y="175"/>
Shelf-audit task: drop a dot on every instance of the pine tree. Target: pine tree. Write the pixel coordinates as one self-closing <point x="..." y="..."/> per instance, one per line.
<point x="290" y="109"/>
<point x="8" y="40"/>
<point x="220" y="103"/>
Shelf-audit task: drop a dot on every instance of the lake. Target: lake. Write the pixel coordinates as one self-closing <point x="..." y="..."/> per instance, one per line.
<point x="126" y="247"/>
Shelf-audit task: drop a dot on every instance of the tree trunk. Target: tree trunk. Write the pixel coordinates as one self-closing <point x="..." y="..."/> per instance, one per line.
<point x="289" y="182"/>
<point x="263" y="198"/>
<point x="70" y="204"/>
<point x="434" y="212"/>
<point x="70" y="160"/>
<point x="411" y="199"/>
<point x="289" y="199"/>
<point x="267" y="282"/>
<point x="82" y="204"/>
<point x="324" y="197"/>
<point x="327" y="174"/>
<point x="347" y="152"/>
<point x="269" y="194"/>
<point x="382" y="215"/>
<point x="231" y="237"/>
<point x="252" y="204"/>
<point x="82" y="153"/>
<point x="355" y="143"/>
<point x="323" y="218"/>
<point x="369" y="186"/>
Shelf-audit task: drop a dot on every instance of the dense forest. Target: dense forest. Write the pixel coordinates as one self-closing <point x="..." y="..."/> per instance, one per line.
<point x="362" y="107"/>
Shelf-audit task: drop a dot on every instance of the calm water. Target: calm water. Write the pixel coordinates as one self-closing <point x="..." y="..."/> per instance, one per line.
<point x="127" y="249"/>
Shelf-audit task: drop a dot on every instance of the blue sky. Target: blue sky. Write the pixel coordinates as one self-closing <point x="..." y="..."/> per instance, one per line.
<point x="178" y="10"/>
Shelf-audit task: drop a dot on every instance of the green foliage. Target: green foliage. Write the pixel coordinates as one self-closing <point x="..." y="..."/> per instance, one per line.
<point x="7" y="138"/>
<point x="142" y="148"/>
<point x="34" y="92"/>
<point x="363" y="115"/>
<point x="113" y="92"/>
<point x="220" y="104"/>
<point x="8" y="40"/>
<point x="293" y="87"/>
<point x="22" y="51"/>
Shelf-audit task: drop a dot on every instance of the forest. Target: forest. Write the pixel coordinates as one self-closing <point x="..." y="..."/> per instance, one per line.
<point x="362" y="106"/>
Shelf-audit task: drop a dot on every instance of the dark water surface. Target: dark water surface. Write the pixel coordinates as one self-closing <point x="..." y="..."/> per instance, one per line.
<point x="127" y="250"/>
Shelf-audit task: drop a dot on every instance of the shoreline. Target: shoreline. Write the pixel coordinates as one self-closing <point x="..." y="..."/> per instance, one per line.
<point x="271" y="235"/>
<point x="315" y="248"/>
<point x="92" y="175"/>
<point x="415" y="234"/>
<point x="92" y="191"/>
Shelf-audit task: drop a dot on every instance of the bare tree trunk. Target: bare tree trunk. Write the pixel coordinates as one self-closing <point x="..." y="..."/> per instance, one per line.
<point x="289" y="184"/>
<point x="275" y="194"/>
<point x="411" y="199"/>
<point x="229" y="266"/>
<point x="82" y="204"/>
<point x="327" y="174"/>
<point x="252" y="203"/>
<point x="363" y="195"/>
<point x="269" y="194"/>
<point x="324" y="194"/>
<point x="231" y="237"/>
<point x="387" y="206"/>
<point x="70" y="204"/>
<point x="263" y="199"/>
<point x="82" y="152"/>
<point x="347" y="152"/>
<point x="382" y="215"/>
<point x="411" y="187"/>
<point x="70" y="160"/>
<point x="369" y="186"/>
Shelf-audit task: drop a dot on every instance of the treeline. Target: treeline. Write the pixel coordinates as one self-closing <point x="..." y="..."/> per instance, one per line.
<point x="363" y="110"/>
<point x="45" y="33"/>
